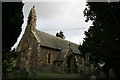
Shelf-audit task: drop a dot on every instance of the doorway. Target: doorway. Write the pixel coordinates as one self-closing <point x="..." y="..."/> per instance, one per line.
<point x="71" y="64"/>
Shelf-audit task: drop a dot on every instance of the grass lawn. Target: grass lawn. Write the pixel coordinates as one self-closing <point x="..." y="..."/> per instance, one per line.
<point x="59" y="75"/>
<point x="56" y="76"/>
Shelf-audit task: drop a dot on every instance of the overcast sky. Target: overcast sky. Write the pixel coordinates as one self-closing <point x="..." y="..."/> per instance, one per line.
<point x="53" y="17"/>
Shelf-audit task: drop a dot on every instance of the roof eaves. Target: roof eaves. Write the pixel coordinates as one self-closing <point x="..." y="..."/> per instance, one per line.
<point x="50" y="47"/>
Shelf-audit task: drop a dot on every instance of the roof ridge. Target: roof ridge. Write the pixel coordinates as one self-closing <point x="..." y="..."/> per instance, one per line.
<point x="52" y="41"/>
<point x="56" y="37"/>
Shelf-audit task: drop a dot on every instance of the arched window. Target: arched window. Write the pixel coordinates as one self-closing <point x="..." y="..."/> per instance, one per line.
<point x="58" y="65"/>
<point x="48" y="57"/>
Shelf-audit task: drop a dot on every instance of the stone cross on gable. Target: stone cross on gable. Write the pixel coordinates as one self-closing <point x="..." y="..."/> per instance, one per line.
<point x="69" y="47"/>
<point x="34" y="6"/>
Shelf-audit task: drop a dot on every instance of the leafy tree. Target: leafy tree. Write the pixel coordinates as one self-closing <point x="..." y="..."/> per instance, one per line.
<point x="9" y="63"/>
<point x="12" y="12"/>
<point x="102" y="39"/>
<point x="60" y="34"/>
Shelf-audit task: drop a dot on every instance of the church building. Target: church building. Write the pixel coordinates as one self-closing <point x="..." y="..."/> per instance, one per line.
<point x="44" y="52"/>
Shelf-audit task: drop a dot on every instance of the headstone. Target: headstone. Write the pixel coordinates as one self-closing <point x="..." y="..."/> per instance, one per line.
<point x="92" y="77"/>
<point x="112" y="74"/>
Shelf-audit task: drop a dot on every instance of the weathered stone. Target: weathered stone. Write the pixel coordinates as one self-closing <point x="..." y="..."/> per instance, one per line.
<point x="44" y="52"/>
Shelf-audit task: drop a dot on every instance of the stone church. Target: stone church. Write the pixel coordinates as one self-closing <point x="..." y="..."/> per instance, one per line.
<point x="40" y="51"/>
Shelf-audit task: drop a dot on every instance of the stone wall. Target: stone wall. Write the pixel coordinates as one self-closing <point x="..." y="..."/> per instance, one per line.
<point x="28" y="50"/>
<point x="58" y="66"/>
<point x="43" y="63"/>
<point x="68" y="65"/>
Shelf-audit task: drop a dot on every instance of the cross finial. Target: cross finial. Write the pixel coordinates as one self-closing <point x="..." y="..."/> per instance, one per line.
<point x="69" y="45"/>
<point x="34" y="6"/>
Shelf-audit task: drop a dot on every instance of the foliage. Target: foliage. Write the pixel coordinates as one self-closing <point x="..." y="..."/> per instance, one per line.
<point x="9" y="63"/>
<point x="102" y="39"/>
<point x="60" y="34"/>
<point x="12" y="19"/>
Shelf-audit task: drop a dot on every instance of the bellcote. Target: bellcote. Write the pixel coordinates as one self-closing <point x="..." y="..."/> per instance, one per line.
<point x="32" y="19"/>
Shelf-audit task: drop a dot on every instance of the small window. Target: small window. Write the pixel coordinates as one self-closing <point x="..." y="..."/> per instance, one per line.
<point x="58" y="64"/>
<point x="49" y="58"/>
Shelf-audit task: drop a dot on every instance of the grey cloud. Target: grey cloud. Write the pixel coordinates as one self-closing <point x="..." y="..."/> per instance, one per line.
<point x="59" y="15"/>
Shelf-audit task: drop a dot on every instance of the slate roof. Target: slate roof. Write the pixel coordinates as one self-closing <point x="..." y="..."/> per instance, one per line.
<point x="52" y="41"/>
<point x="62" y="55"/>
